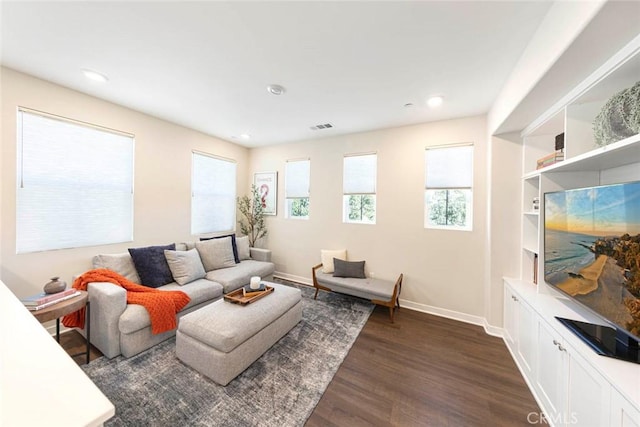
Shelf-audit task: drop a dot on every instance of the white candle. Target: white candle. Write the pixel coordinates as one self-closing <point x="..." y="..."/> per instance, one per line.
<point x="255" y="282"/>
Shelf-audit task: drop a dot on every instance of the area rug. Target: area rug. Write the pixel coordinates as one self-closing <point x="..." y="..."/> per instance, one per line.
<point x="280" y="389"/>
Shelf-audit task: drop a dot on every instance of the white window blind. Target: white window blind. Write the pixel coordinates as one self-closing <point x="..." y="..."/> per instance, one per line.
<point x="74" y="184"/>
<point x="213" y="194"/>
<point x="297" y="174"/>
<point x="449" y="167"/>
<point x="360" y="174"/>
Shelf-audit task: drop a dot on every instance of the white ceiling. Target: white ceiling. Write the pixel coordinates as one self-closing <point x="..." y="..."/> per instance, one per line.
<point x="206" y="65"/>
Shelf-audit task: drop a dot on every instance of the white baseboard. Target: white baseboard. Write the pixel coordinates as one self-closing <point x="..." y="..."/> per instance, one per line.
<point x="436" y="311"/>
<point x="293" y="278"/>
<point x="453" y="315"/>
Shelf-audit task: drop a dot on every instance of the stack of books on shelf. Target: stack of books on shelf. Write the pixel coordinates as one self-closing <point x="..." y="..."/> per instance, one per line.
<point x="247" y="291"/>
<point x="42" y="300"/>
<point x="553" y="158"/>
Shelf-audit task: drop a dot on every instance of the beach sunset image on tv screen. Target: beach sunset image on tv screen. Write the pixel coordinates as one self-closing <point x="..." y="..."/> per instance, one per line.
<point x="592" y="249"/>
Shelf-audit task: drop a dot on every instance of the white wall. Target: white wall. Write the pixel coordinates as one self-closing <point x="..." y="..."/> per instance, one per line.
<point x="162" y="202"/>
<point x="443" y="269"/>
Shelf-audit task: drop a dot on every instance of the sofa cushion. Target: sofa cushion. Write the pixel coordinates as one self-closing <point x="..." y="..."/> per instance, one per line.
<point x="216" y="253"/>
<point x="185" y="266"/>
<point x="240" y="275"/>
<point x="234" y="246"/>
<point x="121" y="263"/>
<point x="327" y="256"/>
<point x="224" y="326"/>
<point x="353" y="269"/>
<point x="243" y="248"/>
<point x="136" y="317"/>
<point x="151" y="265"/>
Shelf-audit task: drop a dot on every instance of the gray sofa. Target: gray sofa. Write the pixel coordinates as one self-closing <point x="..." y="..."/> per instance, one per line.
<point x="121" y="328"/>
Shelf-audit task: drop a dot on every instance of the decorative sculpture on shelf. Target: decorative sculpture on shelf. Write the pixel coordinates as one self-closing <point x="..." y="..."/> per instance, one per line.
<point x="619" y="118"/>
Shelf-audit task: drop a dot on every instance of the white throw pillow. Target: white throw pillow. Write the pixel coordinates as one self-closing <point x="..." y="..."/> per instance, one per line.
<point x="216" y="253"/>
<point x="121" y="263"/>
<point x="327" y="256"/>
<point x="242" y="243"/>
<point x="185" y="266"/>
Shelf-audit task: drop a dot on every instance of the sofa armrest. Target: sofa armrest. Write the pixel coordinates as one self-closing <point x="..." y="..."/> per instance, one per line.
<point x="108" y="302"/>
<point x="260" y="254"/>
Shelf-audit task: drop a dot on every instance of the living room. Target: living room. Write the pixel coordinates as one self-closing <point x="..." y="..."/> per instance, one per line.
<point x="449" y="273"/>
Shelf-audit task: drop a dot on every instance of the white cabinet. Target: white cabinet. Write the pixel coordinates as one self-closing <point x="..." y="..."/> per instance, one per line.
<point x="519" y="330"/>
<point x="623" y="414"/>
<point x="572" y="393"/>
<point x="572" y="385"/>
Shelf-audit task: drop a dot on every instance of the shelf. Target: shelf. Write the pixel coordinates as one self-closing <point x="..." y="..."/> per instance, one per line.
<point x="619" y="153"/>
<point x="534" y="213"/>
<point x="533" y="251"/>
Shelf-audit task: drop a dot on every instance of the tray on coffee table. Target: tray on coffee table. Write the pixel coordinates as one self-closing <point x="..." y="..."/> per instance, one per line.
<point x="237" y="297"/>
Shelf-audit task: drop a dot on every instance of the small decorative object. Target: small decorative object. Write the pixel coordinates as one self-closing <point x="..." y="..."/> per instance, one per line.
<point x="560" y="142"/>
<point x="252" y="224"/>
<point x="55" y="285"/>
<point x="255" y="282"/>
<point x="536" y="203"/>
<point x="619" y="118"/>
<point x="267" y="185"/>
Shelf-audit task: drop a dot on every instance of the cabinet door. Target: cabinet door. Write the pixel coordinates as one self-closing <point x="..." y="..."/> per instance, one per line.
<point x="550" y="372"/>
<point x="526" y="321"/>
<point x="589" y="394"/>
<point x="510" y="302"/>
<point x="623" y="414"/>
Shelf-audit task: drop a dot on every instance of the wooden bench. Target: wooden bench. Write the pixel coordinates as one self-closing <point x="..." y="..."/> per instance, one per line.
<point x="381" y="292"/>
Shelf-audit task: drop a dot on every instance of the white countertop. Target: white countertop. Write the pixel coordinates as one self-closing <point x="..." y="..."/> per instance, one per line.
<point x="40" y="385"/>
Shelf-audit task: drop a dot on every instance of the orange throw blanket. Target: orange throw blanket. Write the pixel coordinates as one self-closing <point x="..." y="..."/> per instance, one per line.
<point x="161" y="305"/>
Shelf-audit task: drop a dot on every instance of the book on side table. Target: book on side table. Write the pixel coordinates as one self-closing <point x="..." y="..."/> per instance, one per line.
<point x="42" y="300"/>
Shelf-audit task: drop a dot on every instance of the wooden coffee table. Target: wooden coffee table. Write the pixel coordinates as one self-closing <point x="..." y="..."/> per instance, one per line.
<point x="71" y="305"/>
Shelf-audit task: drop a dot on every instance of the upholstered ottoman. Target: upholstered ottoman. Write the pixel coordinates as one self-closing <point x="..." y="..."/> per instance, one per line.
<point x="222" y="339"/>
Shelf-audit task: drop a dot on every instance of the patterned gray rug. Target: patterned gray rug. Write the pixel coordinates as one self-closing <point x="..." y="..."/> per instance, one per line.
<point x="280" y="389"/>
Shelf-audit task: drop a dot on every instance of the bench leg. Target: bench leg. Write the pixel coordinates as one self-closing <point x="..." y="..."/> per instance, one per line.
<point x="391" y="312"/>
<point x="316" y="295"/>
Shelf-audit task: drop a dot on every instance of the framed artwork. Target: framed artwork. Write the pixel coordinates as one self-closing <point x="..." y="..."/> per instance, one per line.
<point x="267" y="185"/>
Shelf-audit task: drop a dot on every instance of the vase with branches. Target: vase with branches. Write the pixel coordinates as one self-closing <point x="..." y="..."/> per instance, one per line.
<point x="252" y="223"/>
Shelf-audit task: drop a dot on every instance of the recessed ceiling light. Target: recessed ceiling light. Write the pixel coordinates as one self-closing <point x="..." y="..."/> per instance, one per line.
<point x="275" y="89"/>
<point x="95" y="76"/>
<point x="245" y="136"/>
<point x="435" y="101"/>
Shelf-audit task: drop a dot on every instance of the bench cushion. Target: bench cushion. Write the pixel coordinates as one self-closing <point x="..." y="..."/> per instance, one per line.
<point x="224" y="325"/>
<point x="364" y="288"/>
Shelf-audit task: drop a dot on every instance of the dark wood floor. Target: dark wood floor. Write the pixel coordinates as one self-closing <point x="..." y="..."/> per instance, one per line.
<point x="422" y="370"/>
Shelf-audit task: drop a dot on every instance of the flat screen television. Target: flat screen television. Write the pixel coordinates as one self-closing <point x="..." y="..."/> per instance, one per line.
<point x="592" y="255"/>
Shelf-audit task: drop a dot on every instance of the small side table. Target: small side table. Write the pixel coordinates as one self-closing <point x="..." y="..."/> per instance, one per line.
<point x="56" y="311"/>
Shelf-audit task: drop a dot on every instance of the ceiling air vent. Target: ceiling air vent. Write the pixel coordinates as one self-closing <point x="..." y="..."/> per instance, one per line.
<point x="323" y="126"/>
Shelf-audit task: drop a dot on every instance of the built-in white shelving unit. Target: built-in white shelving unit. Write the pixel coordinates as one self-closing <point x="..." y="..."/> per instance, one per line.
<point x="572" y="385"/>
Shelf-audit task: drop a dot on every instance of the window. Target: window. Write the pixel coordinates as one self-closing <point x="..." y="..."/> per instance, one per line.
<point x="448" y="187"/>
<point x="213" y="194"/>
<point x="296" y="184"/>
<point x="359" y="188"/>
<point x="74" y="184"/>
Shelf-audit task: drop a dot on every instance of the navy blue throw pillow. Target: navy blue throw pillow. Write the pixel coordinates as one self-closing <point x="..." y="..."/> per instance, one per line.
<point x="233" y="244"/>
<point x="152" y="265"/>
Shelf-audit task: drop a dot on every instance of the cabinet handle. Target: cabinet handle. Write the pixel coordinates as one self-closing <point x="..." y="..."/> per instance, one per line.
<point x="555" y="342"/>
<point x="514" y="298"/>
<point x="561" y="348"/>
